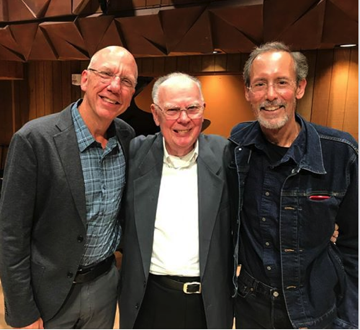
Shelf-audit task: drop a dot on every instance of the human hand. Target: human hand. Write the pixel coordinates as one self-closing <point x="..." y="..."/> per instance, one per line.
<point x="38" y="324"/>
<point x="118" y="259"/>
<point x="335" y="234"/>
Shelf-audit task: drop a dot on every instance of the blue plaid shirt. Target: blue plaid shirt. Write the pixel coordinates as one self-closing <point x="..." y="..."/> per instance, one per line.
<point x="104" y="178"/>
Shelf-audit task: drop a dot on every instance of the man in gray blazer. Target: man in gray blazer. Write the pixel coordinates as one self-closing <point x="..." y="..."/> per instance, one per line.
<point x="177" y="264"/>
<point x="63" y="184"/>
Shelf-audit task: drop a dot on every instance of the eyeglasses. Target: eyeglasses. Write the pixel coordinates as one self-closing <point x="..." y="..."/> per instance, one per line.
<point x="193" y="111"/>
<point x="280" y="86"/>
<point x="107" y="77"/>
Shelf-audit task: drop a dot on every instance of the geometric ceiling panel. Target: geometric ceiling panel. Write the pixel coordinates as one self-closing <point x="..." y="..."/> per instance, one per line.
<point x="198" y="38"/>
<point x="111" y="37"/>
<point x="66" y="39"/>
<point x="76" y="29"/>
<point x="245" y="16"/>
<point x="309" y="24"/>
<point x="7" y="40"/>
<point x="24" y="37"/>
<point x="227" y="38"/>
<point x="9" y="54"/>
<point x="41" y="48"/>
<point x="176" y="23"/>
<point x="37" y="7"/>
<point x="93" y="29"/>
<point x="18" y="11"/>
<point x="350" y="8"/>
<point x="141" y="40"/>
<point x="58" y="8"/>
<point x="345" y="31"/>
<point x="273" y="26"/>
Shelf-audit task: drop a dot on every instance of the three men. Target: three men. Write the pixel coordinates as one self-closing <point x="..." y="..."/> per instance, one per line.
<point x="295" y="181"/>
<point x="63" y="185"/>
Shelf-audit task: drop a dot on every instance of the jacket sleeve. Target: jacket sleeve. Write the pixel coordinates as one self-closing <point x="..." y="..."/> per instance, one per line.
<point x="347" y="243"/>
<point x="16" y="221"/>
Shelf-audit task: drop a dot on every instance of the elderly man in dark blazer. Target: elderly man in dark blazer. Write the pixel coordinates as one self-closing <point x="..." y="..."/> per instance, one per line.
<point x="177" y="264"/>
<point x="59" y="206"/>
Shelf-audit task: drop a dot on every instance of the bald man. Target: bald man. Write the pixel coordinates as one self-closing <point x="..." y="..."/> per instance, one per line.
<point x="62" y="189"/>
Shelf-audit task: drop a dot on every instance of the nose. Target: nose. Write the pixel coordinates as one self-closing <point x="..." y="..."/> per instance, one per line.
<point x="183" y="116"/>
<point x="115" y="85"/>
<point x="271" y="93"/>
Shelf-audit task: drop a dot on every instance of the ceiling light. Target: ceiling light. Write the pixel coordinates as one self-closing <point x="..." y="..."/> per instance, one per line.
<point x="348" y="45"/>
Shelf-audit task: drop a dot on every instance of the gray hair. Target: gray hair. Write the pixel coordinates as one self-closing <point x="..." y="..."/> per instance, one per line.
<point x="159" y="81"/>
<point x="301" y="66"/>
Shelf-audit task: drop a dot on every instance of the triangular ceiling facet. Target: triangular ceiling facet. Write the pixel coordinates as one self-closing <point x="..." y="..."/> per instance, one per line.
<point x="198" y="39"/>
<point x="176" y="23"/>
<point x="24" y="37"/>
<point x="41" y="49"/>
<point x="344" y="31"/>
<point x="139" y="38"/>
<point x="227" y="38"/>
<point x="92" y="29"/>
<point x="275" y="9"/>
<point x="111" y="37"/>
<point x="37" y="7"/>
<point x="311" y="23"/>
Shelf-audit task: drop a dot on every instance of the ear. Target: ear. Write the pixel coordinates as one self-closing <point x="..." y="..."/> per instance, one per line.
<point x="84" y="80"/>
<point x="300" y="90"/>
<point x="247" y="92"/>
<point x="155" y="115"/>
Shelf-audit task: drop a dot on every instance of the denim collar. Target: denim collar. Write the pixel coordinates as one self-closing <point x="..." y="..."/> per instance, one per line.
<point x="306" y="150"/>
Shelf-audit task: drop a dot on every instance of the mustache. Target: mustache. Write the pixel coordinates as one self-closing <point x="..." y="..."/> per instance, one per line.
<point x="266" y="104"/>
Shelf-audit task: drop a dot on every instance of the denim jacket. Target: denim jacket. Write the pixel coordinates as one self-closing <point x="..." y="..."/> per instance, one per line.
<point x="319" y="279"/>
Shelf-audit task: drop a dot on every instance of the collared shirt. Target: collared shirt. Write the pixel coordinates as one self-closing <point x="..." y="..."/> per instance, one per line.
<point x="104" y="178"/>
<point x="176" y="234"/>
<point x="269" y="167"/>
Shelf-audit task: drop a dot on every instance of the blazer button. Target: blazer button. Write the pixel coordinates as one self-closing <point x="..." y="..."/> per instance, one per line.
<point x="80" y="238"/>
<point x="70" y="275"/>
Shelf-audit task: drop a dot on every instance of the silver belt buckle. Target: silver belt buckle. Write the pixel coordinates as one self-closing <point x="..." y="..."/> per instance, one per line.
<point x="185" y="287"/>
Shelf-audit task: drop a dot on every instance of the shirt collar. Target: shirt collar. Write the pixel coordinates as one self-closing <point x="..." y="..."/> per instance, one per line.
<point x="181" y="162"/>
<point x="85" y="139"/>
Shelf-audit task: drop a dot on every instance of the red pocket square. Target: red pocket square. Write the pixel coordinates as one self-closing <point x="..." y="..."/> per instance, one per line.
<point x="319" y="197"/>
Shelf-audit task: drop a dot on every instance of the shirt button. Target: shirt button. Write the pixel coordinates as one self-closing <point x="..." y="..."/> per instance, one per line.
<point x="276" y="294"/>
<point x="267" y="194"/>
<point x="268" y="267"/>
<point x="137" y="306"/>
<point x="267" y="243"/>
<point x="263" y="219"/>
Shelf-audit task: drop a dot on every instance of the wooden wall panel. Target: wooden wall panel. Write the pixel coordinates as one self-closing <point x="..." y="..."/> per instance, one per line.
<point x="351" y="116"/>
<point x="339" y="84"/>
<point x="323" y="75"/>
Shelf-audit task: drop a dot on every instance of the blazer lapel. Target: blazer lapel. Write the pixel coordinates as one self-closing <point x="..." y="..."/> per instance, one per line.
<point x="210" y="191"/>
<point x="146" y="194"/>
<point x="68" y="149"/>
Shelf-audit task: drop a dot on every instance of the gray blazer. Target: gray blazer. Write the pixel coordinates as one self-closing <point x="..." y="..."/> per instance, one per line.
<point x="43" y="216"/>
<point x="145" y="169"/>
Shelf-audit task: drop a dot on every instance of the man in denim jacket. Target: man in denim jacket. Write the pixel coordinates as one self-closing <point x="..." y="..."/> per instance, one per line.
<point x="295" y="180"/>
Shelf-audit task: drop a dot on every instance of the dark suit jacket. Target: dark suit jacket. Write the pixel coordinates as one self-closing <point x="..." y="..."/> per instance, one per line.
<point x="145" y="169"/>
<point x="43" y="216"/>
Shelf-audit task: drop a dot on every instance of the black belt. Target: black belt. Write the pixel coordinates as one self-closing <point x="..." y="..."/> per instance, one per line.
<point x="257" y="286"/>
<point x="188" y="285"/>
<point x="90" y="273"/>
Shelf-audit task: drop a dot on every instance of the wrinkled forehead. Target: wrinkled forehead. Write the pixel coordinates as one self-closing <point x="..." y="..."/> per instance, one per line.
<point x="179" y="90"/>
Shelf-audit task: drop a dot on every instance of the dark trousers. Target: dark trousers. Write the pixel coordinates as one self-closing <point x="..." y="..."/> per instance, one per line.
<point x="90" y="305"/>
<point x="259" y="306"/>
<point x="167" y="308"/>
